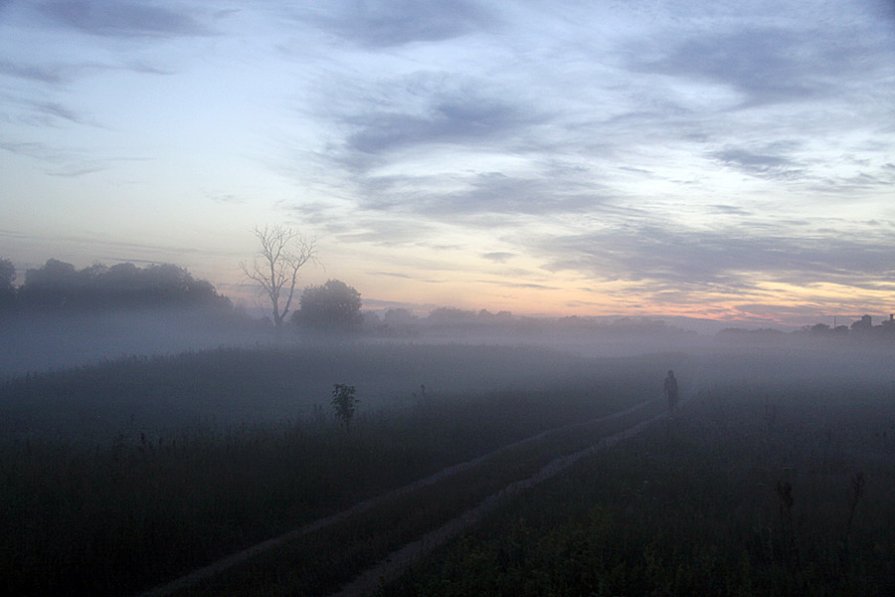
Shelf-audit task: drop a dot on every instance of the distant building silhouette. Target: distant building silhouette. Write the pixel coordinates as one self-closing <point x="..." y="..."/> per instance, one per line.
<point x="865" y="323"/>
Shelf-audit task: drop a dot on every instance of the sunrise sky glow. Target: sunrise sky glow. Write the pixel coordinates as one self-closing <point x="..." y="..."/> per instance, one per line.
<point x="726" y="159"/>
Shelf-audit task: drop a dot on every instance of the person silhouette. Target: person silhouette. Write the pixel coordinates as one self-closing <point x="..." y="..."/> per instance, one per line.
<point x="671" y="393"/>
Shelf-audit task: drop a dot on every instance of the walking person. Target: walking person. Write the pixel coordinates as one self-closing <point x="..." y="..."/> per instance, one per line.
<point x="671" y="393"/>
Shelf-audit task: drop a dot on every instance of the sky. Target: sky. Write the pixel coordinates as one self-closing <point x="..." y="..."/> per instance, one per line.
<point x="718" y="159"/>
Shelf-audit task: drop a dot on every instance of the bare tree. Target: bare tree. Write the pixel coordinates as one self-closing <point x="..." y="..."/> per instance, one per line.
<point x="275" y="268"/>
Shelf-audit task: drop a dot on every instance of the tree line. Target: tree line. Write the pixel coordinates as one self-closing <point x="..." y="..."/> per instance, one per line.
<point x="59" y="287"/>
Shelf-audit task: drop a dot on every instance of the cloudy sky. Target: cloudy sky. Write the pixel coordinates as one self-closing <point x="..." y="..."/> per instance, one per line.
<point x="722" y="159"/>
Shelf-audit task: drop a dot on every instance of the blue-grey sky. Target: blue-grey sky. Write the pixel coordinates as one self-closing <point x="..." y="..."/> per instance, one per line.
<point x="722" y="159"/>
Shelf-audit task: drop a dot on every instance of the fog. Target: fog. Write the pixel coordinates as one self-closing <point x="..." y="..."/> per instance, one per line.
<point x="221" y="431"/>
<point x="104" y="372"/>
<point x="41" y="342"/>
<point x="728" y="159"/>
<point x="36" y="342"/>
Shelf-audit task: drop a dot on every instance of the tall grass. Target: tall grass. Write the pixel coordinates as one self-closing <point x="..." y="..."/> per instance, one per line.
<point x="119" y="512"/>
<point x="718" y="506"/>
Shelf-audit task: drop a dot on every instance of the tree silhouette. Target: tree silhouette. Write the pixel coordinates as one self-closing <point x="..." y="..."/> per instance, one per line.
<point x="58" y="285"/>
<point x="335" y="305"/>
<point x="275" y="268"/>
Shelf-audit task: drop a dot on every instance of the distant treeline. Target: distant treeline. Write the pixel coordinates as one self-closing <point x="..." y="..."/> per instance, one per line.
<point x="59" y="286"/>
<point x="397" y="321"/>
<point x="861" y="329"/>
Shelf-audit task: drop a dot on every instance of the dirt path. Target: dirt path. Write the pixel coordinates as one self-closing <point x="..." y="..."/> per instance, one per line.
<point x="418" y="548"/>
<point x="398" y="561"/>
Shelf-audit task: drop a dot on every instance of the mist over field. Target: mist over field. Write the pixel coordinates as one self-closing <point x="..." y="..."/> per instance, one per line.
<point x="447" y="298"/>
<point x="237" y="440"/>
<point x="42" y="341"/>
<point x="195" y="426"/>
<point x="104" y="372"/>
<point x="46" y="341"/>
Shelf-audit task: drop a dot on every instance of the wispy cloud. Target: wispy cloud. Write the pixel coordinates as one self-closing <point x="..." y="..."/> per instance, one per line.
<point x="459" y="120"/>
<point x="498" y="256"/>
<point x="60" y="73"/>
<point x="388" y="23"/>
<point x="673" y="263"/>
<point x="122" y="18"/>
<point x="524" y="285"/>
<point x="53" y="112"/>
<point x="668" y="153"/>
<point x="478" y="195"/>
<point x="227" y="198"/>
<point x="43" y="74"/>
<point x="68" y="162"/>
<point x="758" y="164"/>
<point x="765" y="64"/>
<point x="494" y="192"/>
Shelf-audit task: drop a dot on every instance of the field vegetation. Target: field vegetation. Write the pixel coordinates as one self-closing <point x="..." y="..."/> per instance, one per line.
<point x="118" y="477"/>
<point x="764" y="489"/>
<point x="776" y="477"/>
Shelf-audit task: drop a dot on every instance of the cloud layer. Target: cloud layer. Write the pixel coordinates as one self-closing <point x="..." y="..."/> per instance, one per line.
<point x="693" y="155"/>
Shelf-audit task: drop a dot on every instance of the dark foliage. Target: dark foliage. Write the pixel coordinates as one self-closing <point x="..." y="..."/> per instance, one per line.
<point x="332" y="306"/>
<point x="58" y="286"/>
<point x="116" y="513"/>
<point x="344" y="403"/>
<point x="721" y="501"/>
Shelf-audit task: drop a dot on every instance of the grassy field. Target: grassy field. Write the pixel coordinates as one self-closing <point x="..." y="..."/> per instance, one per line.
<point x="124" y="504"/>
<point x="320" y="562"/>
<point x="777" y="479"/>
<point x="761" y="490"/>
<point x="238" y="386"/>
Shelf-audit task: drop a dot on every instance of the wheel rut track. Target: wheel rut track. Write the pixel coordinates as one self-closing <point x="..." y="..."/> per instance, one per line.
<point x="400" y="560"/>
<point x="395" y="563"/>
